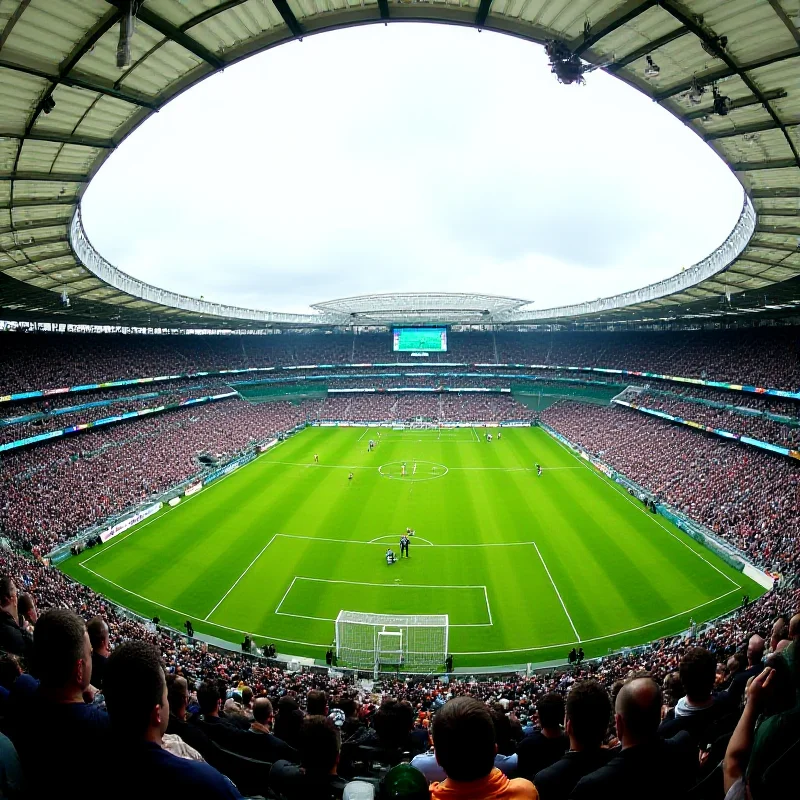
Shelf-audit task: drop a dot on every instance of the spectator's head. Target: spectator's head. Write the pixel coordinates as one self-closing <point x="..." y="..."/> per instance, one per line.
<point x="8" y="596"/>
<point x="316" y="703"/>
<point x="62" y="655"/>
<point x="178" y="695"/>
<point x="136" y="691"/>
<point x="780" y="631"/>
<point x="503" y="731"/>
<point x="551" y="712"/>
<point x="638" y="711"/>
<point x="698" y="671"/>
<point x="794" y="628"/>
<point x="755" y="650"/>
<point x="98" y="635"/>
<point x="247" y="697"/>
<point x="464" y="739"/>
<point x="392" y="722"/>
<point x="10" y="670"/>
<point x="319" y="746"/>
<point x="26" y="608"/>
<point x="588" y="714"/>
<point x="208" y="698"/>
<point x="262" y="711"/>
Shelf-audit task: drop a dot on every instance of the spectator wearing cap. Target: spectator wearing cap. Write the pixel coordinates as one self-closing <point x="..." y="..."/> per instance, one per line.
<point x="588" y="713"/>
<point x="98" y="637"/>
<point x="647" y="766"/>
<point x="138" y="706"/>
<point x="260" y="743"/>
<point x="13" y="638"/>
<point x="545" y="746"/>
<point x="316" y="778"/>
<point x="464" y="746"/>
<point x="54" y="726"/>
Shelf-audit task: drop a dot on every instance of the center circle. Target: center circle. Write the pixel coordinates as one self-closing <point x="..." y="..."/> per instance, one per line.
<point x="413" y="470"/>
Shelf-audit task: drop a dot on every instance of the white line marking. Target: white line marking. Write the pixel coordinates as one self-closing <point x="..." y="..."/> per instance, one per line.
<point x="558" y="594"/>
<point x="649" y="514"/>
<point x="394" y="585"/>
<point x="271" y="638"/>
<point x="488" y="609"/>
<point x="414" y="538"/>
<point x="247" y="569"/>
<point x="363" y="434"/>
<point x="285" y="594"/>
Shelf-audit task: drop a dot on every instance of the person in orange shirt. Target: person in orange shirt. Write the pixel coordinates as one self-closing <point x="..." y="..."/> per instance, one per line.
<point x="464" y="746"/>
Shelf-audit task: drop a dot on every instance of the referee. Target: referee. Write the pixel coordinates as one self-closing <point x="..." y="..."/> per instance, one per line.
<point x="404" y="542"/>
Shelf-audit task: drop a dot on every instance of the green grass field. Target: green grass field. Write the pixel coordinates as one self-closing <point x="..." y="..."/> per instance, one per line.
<point x="525" y="566"/>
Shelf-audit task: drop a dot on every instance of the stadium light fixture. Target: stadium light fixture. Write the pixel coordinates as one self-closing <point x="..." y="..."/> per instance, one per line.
<point x="652" y="70"/>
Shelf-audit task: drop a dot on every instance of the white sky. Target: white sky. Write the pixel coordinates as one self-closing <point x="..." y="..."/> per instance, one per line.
<point x="408" y="158"/>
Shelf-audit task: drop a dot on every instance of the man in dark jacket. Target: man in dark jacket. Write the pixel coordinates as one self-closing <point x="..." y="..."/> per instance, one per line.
<point x="13" y="639"/>
<point x="260" y="743"/>
<point x="646" y="766"/>
<point x="543" y="747"/>
<point x="587" y="719"/>
<point x="178" y="696"/>
<point x="316" y="778"/>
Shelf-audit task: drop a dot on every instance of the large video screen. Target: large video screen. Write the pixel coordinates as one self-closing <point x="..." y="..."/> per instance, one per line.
<point x="424" y="340"/>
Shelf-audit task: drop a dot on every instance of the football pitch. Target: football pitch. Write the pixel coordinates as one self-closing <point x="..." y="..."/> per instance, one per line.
<point x="525" y="566"/>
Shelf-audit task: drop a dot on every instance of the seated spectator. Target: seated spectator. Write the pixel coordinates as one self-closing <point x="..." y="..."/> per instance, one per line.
<point x="464" y="745"/>
<point x="54" y="726"/>
<point x="140" y="766"/>
<point x="316" y="777"/>
<point x="588" y="713"/>
<point x="260" y="743"/>
<point x="699" y="708"/>
<point x="213" y="725"/>
<point x="26" y="608"/>
<point x="288" y="721"/>
<point x="317" y="703"/>
<point x="98" y="636"/>
<point x="545" y="746"/>
<point x="392" y="729"/>
<point x="178" y="697"/>
<point x="13" y="638"/>
<point x="755" y="665"/>
<point x="647" y="766"/>
<point x="505" y="760"/>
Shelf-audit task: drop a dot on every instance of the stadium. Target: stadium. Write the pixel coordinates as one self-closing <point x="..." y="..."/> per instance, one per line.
<point x="208" y="512"/>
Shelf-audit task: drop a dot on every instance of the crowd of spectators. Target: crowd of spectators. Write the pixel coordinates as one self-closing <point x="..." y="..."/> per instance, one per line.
<point x="551" y="734"/>
<point x="748" y="497"/>
<point x="766" y="357"/>
<point x="766" y="430"/>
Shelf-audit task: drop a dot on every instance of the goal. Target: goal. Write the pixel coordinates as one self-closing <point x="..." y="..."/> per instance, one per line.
<point x="401" y="642"/>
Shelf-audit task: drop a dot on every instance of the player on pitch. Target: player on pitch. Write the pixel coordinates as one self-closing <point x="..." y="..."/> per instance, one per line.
<point x="404" y="542"/>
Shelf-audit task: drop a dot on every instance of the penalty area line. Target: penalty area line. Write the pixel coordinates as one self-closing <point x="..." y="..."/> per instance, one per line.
<point x="558" y="594"/>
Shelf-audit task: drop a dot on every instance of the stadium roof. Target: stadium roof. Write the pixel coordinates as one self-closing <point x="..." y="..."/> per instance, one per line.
<point x="729" y="69"/>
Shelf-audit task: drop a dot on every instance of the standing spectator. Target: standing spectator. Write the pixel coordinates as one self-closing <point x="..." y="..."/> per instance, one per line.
<point x="136" y="695"/>
<point x="316" y="778"/>
<point x="98" y="636"/>
<point x="55" y="730"/>
<point x="13" y="639"/>
<point x="647" y="766"/>
<point x="588" y="714"/>
<point x="464" y="744"/>
<point x="545" y="746"/>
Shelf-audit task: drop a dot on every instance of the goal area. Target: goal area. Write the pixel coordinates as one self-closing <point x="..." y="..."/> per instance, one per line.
<point x="400" y="642"/>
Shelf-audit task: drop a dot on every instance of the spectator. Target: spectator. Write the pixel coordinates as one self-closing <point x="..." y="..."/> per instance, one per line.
<point x="13" y="638"/>
<point x="26" y="608"/>
<point x="12" y="781"/>
<point x="317" y="703"/>
<point x="545" y="746"/>
<point x="699" y="708"/>
<point x="646" y="766"/>
<point x="98" y="636"/>
<point x="464" y="745"/>
<point x="316" y="778"/>
<point x="260" y="743"/>
<point x="54" y="726"/>
<point x="755" y="665"/>
<point x="178" y="697"/>
<point x="588" y="713"/>
<point x="289" y="721"/>
<point x="210" y="722"/>
<point x="136" y="695"/>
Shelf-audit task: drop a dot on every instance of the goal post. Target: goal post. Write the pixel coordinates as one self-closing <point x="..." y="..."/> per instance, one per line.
<point x="402" y="642"/>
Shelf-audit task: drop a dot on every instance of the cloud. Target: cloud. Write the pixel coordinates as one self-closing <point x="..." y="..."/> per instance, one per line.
<point x="408" y="158"/>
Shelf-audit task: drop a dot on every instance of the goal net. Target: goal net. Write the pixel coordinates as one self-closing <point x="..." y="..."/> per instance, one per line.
<point x="411" y="643"/>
